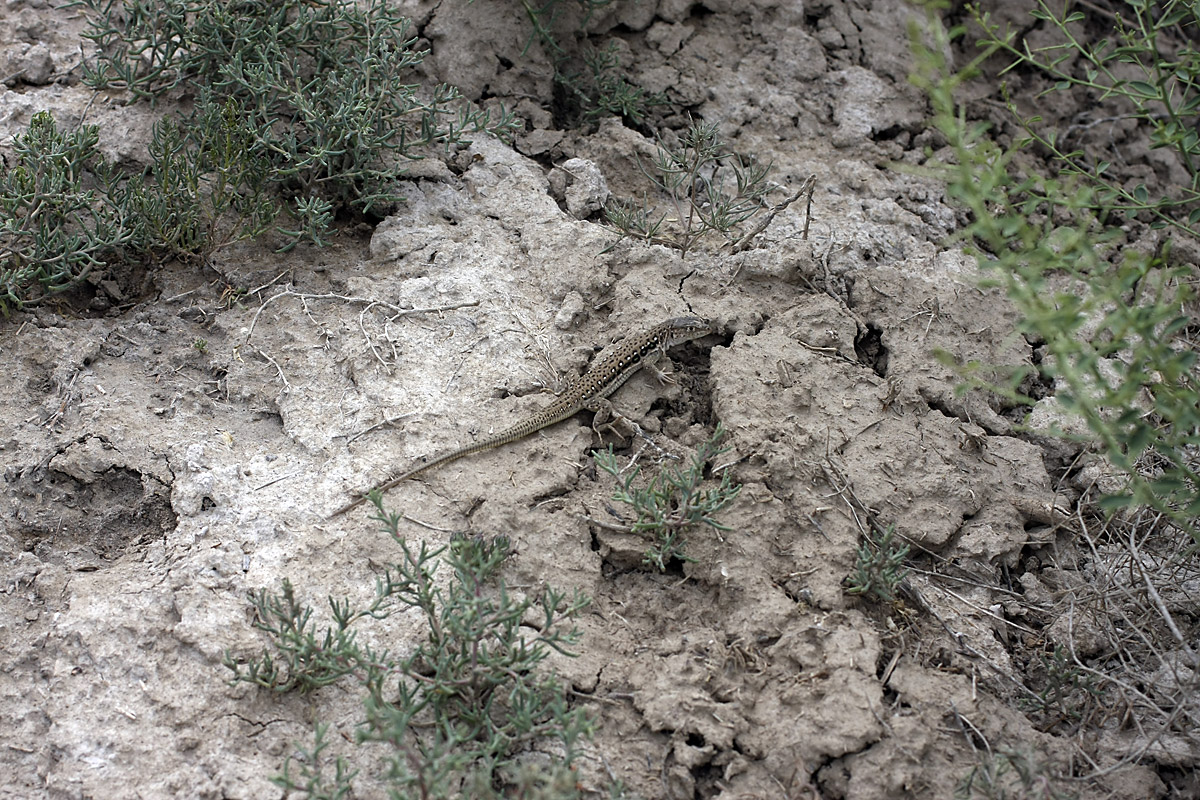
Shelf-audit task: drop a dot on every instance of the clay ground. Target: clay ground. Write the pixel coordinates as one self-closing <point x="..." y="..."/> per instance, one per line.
<point x="169" y="450"/>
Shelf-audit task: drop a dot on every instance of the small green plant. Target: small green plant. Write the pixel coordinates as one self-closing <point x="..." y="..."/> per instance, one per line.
<point x="600" y="87"/>
<point x="673" y="501"/>
<point x="603" y="89"/>
<point x="879" y="568"/>
<point x="1010" y="775"/>
<point x="1113" y="322"/>
<point x="708" y="190"/>
<point x="200" y="345"/>
<point x="1068" y="693"/>
<point x="456" y="712"/>
<point x="62" y="213"/>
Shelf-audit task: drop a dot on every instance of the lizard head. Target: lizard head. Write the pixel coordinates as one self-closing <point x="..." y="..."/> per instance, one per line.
<point x="684" y="329"/>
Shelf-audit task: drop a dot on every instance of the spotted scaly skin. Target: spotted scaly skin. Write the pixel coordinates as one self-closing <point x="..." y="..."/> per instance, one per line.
<point x="586" y="393"/>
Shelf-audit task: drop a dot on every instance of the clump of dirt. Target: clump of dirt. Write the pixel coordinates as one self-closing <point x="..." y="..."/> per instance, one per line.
<point x="163" y="460"/>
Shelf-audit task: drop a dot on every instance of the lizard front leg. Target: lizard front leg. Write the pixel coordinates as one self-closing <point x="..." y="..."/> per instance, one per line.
<point x="650" y="364"/>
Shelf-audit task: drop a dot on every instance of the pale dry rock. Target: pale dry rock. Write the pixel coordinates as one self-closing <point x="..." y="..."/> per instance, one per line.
<point x="582" y="187"/>
<point x="150" y="486"/>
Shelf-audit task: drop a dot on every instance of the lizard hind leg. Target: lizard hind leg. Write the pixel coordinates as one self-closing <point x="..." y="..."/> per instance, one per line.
<point x="606" y="418"/>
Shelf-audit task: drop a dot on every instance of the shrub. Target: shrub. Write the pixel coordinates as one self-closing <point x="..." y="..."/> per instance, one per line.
<point x="62" y="213"/>
<point x="1113" y="325"/>
<point x="319" y="97"/>
<point x="456" y="712"/>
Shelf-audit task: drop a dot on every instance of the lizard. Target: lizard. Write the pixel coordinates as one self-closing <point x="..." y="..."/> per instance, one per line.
<point x="587" y="393"/>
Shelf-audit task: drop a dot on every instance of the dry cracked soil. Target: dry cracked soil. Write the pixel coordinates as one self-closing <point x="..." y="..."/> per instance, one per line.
<point x="179" y="439"/>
